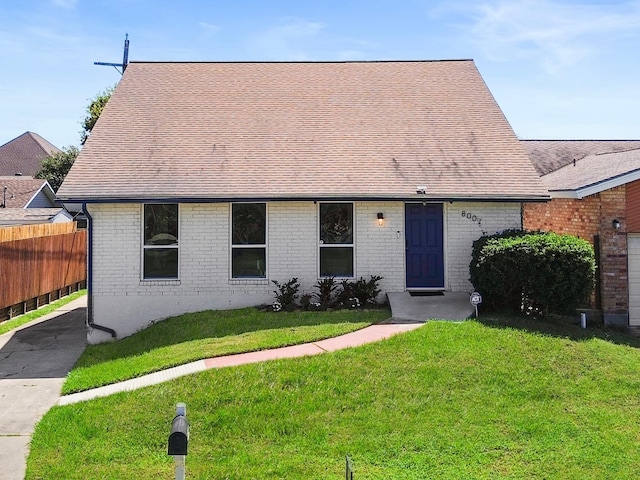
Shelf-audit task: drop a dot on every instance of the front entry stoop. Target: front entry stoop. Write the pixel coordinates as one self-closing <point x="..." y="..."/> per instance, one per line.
<point x="449" y="306"/>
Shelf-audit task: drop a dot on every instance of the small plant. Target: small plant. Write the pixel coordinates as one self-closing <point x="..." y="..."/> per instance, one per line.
<point x="346" y="292"/>
<point x="364" y="291"/>
<point x="367" y="291"/>
<point x="352" y="302"/>
<point x="286" y="294"/>
<point x="326" y="291"/>
<point x="305" y="301"/>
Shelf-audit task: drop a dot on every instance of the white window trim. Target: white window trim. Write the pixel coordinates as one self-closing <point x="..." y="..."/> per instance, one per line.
<point x="232" y="246"/>
<point x="144" y="279"/>
<point x="336" y="245"/>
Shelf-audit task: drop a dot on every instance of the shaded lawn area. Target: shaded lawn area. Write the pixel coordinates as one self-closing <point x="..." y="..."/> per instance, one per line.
<point x="447" y="401"/>
<point x="212" y="333"/>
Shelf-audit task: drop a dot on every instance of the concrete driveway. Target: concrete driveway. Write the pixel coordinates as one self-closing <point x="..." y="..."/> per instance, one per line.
<point x="34" y="361"/>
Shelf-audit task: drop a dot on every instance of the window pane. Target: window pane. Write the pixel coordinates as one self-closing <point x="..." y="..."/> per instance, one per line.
<point x="248" y="262"/>
<point x="336" y="223"/>
<point x="249" y="223"/>
<point x="161" y="224"/>
<point x="161" y="263"/>
<point x="336" y="262"/>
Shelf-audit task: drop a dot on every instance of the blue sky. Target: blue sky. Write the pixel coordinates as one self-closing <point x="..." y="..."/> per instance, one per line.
<point x="559" y="69"/>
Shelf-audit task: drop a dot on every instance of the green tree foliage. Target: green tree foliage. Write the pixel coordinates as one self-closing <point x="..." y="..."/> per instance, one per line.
<point x="533" y="272"/>
<point x="56" y="166"/>
<point x="93" y="113"/>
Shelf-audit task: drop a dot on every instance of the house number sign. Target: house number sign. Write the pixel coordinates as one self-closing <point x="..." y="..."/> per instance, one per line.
<point x="472" y="217"/>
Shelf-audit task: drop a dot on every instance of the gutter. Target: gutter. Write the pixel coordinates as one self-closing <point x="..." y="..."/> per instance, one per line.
<point x="317" y="198"/>
<point x="90" y="276"/>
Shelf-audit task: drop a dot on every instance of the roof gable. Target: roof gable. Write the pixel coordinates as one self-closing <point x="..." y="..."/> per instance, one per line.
<point x="301" y="130"/>
<point x="21" y="192"/>
<point x="594" y="173"/>
<point x="24" y="154"/>
<point x="550" y="155"/>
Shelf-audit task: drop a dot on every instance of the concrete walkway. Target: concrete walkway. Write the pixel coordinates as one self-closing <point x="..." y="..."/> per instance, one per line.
<point x="369" y="334"/>
<point x="34" y="360"/>
<point x="448" y="306"/>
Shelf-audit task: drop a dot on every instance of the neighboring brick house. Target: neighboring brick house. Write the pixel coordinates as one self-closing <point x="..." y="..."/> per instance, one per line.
<point x="595" y="190"/>
<point x="24" y="155"/>
<point x="203" y="182"/>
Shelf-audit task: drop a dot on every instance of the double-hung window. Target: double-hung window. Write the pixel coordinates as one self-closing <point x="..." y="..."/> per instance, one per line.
<point x="336" y="239"/>
<point x="160" y="243"/>
<point x="248" y="240"/>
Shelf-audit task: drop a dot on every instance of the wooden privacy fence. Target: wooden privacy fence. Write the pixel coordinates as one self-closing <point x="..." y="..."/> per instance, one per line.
<point x="38" y="264"/>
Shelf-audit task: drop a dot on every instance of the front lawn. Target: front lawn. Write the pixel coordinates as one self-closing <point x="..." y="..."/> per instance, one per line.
<point x="446" y="401"/>
<point x="194" y="336"/>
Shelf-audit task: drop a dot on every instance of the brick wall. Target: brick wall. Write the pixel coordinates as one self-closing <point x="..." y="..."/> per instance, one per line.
<point x="585" y="218"/>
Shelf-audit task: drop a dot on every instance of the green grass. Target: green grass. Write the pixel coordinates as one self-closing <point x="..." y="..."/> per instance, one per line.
<point x="40" y="312"/>
<point x="195" y="336"/>
<point x="446" y="401"/>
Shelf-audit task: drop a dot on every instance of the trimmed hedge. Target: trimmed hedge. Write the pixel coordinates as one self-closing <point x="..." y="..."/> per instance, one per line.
<point x="533" y="272"/>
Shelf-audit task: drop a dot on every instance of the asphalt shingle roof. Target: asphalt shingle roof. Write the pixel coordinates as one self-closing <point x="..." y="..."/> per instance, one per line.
<point x="24" y="154"/>
<point x="302" y="130"/>
<point x="20" y="190"/>
<point x="593" y="170"/>
<point x="550" y="155"/>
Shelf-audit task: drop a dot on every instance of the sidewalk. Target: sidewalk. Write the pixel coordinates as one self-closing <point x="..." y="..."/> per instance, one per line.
<point x="369" y="334"/>
<point x="34" y="361"/>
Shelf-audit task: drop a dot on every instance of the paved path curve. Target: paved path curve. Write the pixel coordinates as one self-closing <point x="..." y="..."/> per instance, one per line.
<point x="369" y="334"/>
<point x="34" y="360"/>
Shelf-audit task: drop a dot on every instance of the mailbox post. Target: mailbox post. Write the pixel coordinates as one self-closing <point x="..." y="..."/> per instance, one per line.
<point x="179" y="439"/>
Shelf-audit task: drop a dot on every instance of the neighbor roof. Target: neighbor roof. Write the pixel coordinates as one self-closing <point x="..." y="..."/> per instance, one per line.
<point x="221" y="131"/>
<point x="24" y="154"/>
<point x="21" y="216"/>
<point x="22" y="190"/>
<point x="549" y="155"/>
<point x="594" y="173"/>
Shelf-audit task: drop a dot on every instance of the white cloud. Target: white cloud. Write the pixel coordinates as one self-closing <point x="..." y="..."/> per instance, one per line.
<point x="209" y="27"/>
<point x="286" y="41"/>
<point x="554" y="34"/>
<point x="65" y="3"/>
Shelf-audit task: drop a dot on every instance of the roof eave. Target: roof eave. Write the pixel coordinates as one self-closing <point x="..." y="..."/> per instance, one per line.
<point x="597" y="187"/>
<point x="309" y="198"/>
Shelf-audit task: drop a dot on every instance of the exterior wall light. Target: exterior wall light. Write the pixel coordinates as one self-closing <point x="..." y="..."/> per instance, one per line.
<point x="380" y="219"/>
<point x="616" y="224"/>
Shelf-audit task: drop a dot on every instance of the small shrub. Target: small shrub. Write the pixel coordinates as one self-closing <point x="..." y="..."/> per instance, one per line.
<point x="286" y="293"/>
<point x="326" y="291"/>
<point x="345" y="293"/>
<point x="366" y="291"/>
<point x="305" y="301"/>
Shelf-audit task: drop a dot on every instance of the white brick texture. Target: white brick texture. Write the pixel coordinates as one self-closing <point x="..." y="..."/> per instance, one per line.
<point x="126" y="303"/>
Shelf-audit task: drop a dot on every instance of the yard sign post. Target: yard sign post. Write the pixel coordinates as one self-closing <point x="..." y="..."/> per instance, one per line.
<point x="476" y="299"/>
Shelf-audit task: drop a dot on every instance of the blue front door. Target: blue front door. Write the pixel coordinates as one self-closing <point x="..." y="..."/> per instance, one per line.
<point x="424" y="243"/>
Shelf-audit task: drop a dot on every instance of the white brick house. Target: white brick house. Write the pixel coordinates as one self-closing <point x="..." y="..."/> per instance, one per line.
<point x="205" y="181"/>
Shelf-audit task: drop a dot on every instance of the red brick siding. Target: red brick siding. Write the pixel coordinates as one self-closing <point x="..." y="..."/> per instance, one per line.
<point x="633" y="207"/>
<point x="585" y="218"/>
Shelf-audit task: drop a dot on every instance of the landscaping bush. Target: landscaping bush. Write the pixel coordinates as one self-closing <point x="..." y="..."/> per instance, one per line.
<point x="286" y="294"/>
<point x="364" y="291"/>
<point x="326" y="292"/>
<point x="533" y="272"/>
